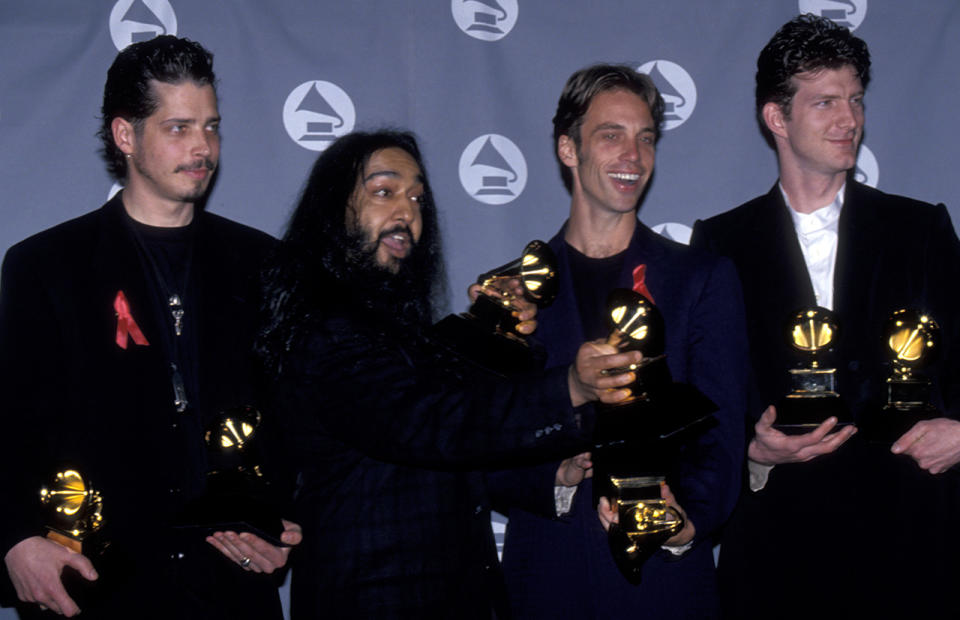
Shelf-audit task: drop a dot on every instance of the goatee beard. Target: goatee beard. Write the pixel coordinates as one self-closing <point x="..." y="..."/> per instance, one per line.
<point x="391" y="296"/>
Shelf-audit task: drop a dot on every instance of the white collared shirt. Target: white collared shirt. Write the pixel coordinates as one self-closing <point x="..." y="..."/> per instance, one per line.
<point x="818" y="236"/>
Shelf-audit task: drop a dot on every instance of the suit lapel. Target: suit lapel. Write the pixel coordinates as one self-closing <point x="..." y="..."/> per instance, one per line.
<point x="117" y="267"/>
<point x="858" y="255"/>
<point x="783" y="269"/>
<point x="216" y="306"/>
<point x="562" y="330"/>
<point x="643" y="250"/>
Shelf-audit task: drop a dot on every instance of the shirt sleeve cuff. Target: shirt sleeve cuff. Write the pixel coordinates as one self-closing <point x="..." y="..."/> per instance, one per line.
<point x="563" y="498"/>
<point x="758" y="475"/>
<point x="679" y="549"/>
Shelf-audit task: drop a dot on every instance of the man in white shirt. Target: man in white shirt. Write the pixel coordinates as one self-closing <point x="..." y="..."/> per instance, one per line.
<point x="828" y="521"/>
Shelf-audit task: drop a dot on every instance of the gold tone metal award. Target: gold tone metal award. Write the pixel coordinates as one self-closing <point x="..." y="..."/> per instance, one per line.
<point x="912" y="341"/>
<point x="813" y="396"/>
<point x="239" y="497"/>
<point x="637" y="441"/>
<point x="486" y="334"/>
<point x="645" y="522"/>
<point x="74" y="512"/>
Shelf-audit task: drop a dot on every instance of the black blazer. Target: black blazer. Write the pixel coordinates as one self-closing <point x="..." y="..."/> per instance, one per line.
<point x="73" y="397"/>
<point x="893" y="252"/>
<point x="836" y="528"/>
<point x="390" y="434"/>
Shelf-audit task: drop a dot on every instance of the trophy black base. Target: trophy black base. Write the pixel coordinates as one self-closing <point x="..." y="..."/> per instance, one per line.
<point x="500" y="353"/>
<point x="799" y="415"/>
<point x="240" y="511"/>
<point x="887" y="425"/>
<point x="630" y="557"/>
<point x="670" y="411"/>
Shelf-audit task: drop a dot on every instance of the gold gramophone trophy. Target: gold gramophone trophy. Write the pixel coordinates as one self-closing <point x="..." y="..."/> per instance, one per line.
<point x="74" y="513"/>
<point x="637" y="441"/>
<point x="238" y="497"/>
<point x="912" y="340"/>
<point x="813" y="396"/>
<point x="486" y="334"/>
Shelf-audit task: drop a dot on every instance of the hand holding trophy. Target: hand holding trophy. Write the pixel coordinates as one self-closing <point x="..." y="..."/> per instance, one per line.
<point x="486" y="334"/>
<point x="912" y="342"/>
<point x="813" y="398"/>
<point x="637" y="440"/>
<point x="535" y="269"/>
<point x="239" y="497"/>
<point x="73" y="512"/>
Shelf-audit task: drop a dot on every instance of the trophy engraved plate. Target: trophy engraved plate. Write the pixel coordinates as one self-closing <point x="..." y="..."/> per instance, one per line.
<point x="637" y="441"/>
<point x="239" y="497"/>
<point x="813" y="396"/>
<point x="912" y="342"/>
<point x="486" y="334"/>
<point x="74" y="512"/>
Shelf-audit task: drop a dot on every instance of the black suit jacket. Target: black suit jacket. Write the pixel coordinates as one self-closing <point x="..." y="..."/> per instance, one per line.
<point x="848" y="519"/>
<point x="73" y="397"/>
<point x="390" y="434"/>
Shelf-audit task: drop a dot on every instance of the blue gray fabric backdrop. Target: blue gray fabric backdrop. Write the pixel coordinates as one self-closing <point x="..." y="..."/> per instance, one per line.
<point x="477" y="80"/>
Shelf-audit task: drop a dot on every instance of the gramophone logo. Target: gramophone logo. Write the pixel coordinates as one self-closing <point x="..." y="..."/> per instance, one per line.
<point x="316" y="113"/>
<point x="487" y="20"/>
<point x="677" y="89"/>
<point x="674" y="232"/>
<point x="867" y="170"/>
<point x="846" y="13"/>
<point x="132" y="21"/>
<point x="493" y="170"/>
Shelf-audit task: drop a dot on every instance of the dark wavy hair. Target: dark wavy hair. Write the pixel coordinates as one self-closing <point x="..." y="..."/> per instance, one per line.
<point x="586" y="84"/>
<point x="129" y="94"/>
<point x="805" y="43"/>
<point x="320" y="267"/>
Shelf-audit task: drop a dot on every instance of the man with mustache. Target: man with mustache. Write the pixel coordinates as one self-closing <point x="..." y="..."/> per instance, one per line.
<point x="390" y="432"/>
<point x="123" y="334"/>
<point x="832" y="520"/>
<point x="606" y="129"/>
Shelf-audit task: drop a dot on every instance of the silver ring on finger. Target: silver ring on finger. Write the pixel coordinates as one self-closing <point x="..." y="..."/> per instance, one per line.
<point x="245" y="562"/>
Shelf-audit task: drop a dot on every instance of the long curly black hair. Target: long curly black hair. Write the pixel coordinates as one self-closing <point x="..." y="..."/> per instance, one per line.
<point x="320" y="267"/>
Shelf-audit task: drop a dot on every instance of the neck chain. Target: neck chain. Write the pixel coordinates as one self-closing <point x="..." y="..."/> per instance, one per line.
<point x="174" y="302"/>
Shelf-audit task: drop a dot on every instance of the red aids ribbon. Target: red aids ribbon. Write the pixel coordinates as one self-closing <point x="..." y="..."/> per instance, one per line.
<point x="639" y="274"/>
<point x="126" y="326"/>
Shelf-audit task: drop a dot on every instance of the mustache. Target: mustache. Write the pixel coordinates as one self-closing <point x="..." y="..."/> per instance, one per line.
<point x="399" y="228"/>
<point x="200" y="163"/>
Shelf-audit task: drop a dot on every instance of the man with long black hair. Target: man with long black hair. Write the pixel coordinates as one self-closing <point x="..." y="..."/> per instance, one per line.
<point x="391" y="433"/>
<point x="124" y="333"/>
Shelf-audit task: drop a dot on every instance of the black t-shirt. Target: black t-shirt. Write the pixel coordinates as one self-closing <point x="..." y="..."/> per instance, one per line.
<point x="593" y="279"/>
